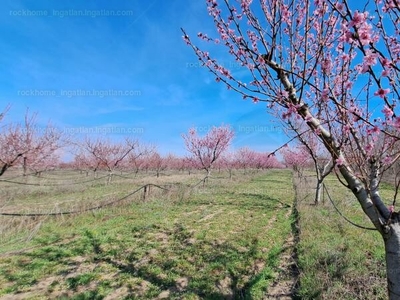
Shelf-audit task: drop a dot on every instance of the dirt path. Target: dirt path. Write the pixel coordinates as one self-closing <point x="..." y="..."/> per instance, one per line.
<point x="285" y="285"/>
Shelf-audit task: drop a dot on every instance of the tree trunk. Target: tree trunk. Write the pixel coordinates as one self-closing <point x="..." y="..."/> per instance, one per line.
<point x="318" y="191"/>
<point x="320" y="178"/>
<point x="25" y="166"/>
<point x="109" y="179"/>
<point x="392" y="249"/>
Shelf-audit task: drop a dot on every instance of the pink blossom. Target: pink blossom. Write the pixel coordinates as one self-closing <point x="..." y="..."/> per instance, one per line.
<point x="340" y="161"/>
<point x="282" y="95"/>
<point x="325" y="94"/>
<point x="206" y="54"/>
<point x="255" y="100"/>
<point x="207" y="149"/>
<point x="286" y="116"/>
<point x="290" y="110"/>
<point x="388" y="112"/>
<point x="339" y="6"/>
<point x="286" y="14"/>
<point x="385" y="62"/>
<point x="374" y="129"/>
<point x="298" y="157"/>
<point x="251" y="67"/>
<point x="345" y="57"/>
<point x="389" y="5"/>
<point x="365" y="34"/>
<point x="261" y="60"/>
<point x="346" y="129"/>
<point x="369" y="148"/>
<point x="387" y="160"/>
<point x="238" y="39"/>
<point x="358" y="19"/>
<point x="347" y="35"/>
<point x="355" y="111"/>
<point x="308" y="118"/>
<point x="246" y="4"/>
<point x="348" y="85"/>
<point x="326" y="65"/>
<point x="225" y="72"/>
<point x="396" y="122"/>
<point x="382" y="92"/>
<point x="370" y="59"/>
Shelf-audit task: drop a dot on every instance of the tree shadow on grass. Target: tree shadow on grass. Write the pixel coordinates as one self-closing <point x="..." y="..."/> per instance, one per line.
<point x="219" y="270"/>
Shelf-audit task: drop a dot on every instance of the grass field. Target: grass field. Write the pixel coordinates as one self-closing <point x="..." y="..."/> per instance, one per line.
<point x="220" y="241"/>
<point x="338" y="260"/>
<point x="230" y="239"/>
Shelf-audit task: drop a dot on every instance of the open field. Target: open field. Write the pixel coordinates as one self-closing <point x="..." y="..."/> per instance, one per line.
<point x="230" y="239"/>
<point x="218" y="241"/>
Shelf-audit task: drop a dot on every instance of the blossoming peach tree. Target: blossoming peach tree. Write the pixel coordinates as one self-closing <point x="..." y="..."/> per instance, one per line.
<point x="207" y="150"/>
<point x="335" y="66"/>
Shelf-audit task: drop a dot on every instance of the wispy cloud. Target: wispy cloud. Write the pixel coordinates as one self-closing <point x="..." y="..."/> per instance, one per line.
<point x="60" y="55"/>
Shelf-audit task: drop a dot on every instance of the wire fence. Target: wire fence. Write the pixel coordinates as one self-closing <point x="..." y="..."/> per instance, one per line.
<point x="55" y="184"/>
<point x="306" y="190"/>
<point x="145" y="190"/>
<point x="304" y="185"/>
<point x="20" y="225"/>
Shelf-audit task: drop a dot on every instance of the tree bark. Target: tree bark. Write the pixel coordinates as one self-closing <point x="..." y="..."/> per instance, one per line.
<point x="25" y="166"/>
<point x="318" y="191"/>
<point x="392" y="249"/>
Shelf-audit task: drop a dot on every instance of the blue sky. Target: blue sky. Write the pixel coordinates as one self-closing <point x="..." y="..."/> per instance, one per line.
<point x="61" y="66"/>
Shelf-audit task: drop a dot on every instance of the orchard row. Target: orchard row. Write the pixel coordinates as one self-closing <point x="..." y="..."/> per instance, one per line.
<point x="29" y="150"/>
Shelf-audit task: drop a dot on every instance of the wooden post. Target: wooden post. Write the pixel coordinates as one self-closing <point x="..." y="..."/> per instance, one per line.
<point x="144" y="193"/>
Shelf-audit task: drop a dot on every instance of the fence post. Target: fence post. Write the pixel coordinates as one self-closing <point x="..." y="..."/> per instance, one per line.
<point x="144" y="193"/>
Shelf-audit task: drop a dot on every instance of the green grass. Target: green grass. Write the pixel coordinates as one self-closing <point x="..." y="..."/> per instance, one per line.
<point x="225" y="239"/>
<point x="338" y="260"/>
